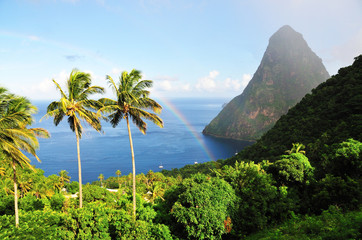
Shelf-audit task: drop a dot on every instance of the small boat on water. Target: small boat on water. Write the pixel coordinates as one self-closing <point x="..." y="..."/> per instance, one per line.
<point x="160" y="166"/>
<point x="195" y="162"/>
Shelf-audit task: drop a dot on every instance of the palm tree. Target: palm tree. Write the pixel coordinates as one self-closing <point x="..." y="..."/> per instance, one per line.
<point x="15" y="136"/>
<point x="297" y="148"/>
<point x="63" y="177"/>
<point x="101" y="178"/>
<point x="154" y="191"/>
<point x="132" y="102"/>
<point x="118" y="173"/>
<point x="76" y="106"/>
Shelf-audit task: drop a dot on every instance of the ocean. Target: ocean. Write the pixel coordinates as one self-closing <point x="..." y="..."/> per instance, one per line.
<point x="179" y="143"/>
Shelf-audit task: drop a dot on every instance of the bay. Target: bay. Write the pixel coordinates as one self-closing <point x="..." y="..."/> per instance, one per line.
<point x="179" y="143"/>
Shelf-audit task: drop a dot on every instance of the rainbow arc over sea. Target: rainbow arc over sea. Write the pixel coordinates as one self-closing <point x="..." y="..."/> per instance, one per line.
<point x="197" y="135"/>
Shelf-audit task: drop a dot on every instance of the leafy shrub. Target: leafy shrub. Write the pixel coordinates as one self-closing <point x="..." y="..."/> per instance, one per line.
<point x="6" y="204"/>
<point x="34" y="225"/>
<point x="72" y="187"/>
<point x="57" y="201"/>
<point x="259" y="201"/>
<point x="332" y="190"/>
<point x="292" y="169"/>
<point x="199" y="206"/>
<point x="31" y="203"/>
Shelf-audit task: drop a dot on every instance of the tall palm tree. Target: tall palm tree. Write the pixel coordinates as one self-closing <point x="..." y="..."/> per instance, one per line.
<point x="76" y="106"/>
<point x="101" y="178"/>
<point x="15" y="136"/>
<point x="132" y="102"/>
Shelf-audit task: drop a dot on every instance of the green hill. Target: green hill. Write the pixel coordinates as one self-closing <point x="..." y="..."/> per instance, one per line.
<point x="331" y="114"/>
<point x="289" y="70"/>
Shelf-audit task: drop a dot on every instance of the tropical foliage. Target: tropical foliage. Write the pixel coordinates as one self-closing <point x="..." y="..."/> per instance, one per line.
<point x="76" y="105"/>
<point x="15" y="137"/>
<point x="132" y="102"/>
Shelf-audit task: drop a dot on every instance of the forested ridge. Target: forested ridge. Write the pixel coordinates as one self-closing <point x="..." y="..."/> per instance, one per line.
<point x="301" y="180"/>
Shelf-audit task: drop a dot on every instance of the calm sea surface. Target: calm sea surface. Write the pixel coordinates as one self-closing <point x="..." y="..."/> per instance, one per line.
<point x="180" y="142"/>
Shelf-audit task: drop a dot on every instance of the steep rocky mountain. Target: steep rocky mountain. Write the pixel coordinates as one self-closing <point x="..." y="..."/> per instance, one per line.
<point x="288" y="71"/>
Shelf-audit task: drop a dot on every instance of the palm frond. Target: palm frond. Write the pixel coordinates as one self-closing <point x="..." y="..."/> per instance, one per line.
<point x="89" y="91"/>
<point x="112" y="84"/>
<point x="60" y="89"/>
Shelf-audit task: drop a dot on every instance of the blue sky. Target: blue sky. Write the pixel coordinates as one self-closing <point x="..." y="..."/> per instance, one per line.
<point x="188" y="48"/>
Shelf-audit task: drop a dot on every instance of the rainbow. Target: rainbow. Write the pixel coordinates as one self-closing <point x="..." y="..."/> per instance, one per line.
<point x="175" y="111"/>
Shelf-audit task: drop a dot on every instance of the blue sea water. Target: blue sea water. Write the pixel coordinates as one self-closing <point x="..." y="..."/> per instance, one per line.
<point x="173" y="146"/>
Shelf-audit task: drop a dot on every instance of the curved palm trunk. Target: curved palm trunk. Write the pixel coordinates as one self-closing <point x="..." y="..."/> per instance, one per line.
<point x="133" y="169"/>
<point x="79" y="172"/>
<point x="16" y="197"/>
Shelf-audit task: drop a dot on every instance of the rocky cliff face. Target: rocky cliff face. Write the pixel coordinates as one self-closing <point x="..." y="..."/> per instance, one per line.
<point x="289" y="70"/>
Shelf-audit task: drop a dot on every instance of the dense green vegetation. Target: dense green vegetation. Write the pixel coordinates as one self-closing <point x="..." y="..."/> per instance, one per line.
<point x="306" y="186"/>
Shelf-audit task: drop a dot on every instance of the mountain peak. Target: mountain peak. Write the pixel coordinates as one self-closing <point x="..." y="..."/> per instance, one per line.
<point x="289" y="70"/>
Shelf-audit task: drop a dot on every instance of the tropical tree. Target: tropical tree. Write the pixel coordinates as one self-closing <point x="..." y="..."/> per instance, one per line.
<point x="154" y="191"/>
<point x="76" y="106"/>
<point x="297" y="148"/>
<point x="63" y="177"/>
<point x="132" y="102"/>
<point x="15" y="136"/>
<point x="119" y="173"/>
<point x="101" y="178"/>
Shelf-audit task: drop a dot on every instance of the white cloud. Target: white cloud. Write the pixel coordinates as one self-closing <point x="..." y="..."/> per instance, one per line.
<point x="237" y="85"/>
<point x="207" y="83"/>
<point x="45" y="89"/>
<point x="170" y="86"/>
<point x="165" y="85"/>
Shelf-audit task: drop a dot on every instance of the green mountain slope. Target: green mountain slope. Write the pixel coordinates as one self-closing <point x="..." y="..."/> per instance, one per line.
<point x="331" y="114"/>
<point x="289" y="70"/>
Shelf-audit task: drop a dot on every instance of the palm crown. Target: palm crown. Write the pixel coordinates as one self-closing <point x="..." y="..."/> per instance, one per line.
<point x="76" y="103"/>
<point x="132" y="101"/>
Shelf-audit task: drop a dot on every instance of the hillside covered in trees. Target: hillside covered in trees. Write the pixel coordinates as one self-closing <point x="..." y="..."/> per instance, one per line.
<point x="301" y="180"/>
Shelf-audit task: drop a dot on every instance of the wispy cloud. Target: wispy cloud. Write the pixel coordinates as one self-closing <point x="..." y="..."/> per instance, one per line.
<point x="73" y="58"/>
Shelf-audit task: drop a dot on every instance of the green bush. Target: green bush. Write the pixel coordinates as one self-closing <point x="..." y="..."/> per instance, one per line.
<point x="200" y="205"/>
<point x="259" y="201"/>
<point x="31" y="203"/>
<point x="72" y="187"/>
<point x="332" y="224"/>
<point x="57" y="201"/>
<point x="6" y="204"/>
<point x="34" y="225"/>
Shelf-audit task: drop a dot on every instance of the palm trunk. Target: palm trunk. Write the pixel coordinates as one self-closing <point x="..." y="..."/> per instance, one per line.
<point x="133" y="169"/>
<point x="79" y="170"/>
<point x="16" y="197"/>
